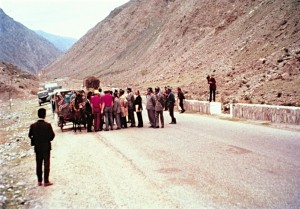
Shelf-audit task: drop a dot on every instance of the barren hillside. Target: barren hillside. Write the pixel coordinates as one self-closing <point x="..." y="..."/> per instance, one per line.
<point x="251" y="46"/>
<point x="16" y="83"/>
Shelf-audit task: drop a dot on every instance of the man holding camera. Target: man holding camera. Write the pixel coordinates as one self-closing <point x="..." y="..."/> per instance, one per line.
<point x="212" y="88"/>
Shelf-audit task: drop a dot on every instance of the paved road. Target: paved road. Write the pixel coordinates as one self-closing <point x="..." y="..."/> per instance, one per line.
<point x="202" y="162"/>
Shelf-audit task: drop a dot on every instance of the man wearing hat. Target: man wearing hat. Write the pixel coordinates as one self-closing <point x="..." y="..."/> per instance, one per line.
<point x="130" y="100"/>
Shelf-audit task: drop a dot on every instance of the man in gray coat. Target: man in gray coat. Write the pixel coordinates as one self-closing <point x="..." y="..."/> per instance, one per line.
<point x="150" y="106"/>
<point x="130" y="99"/>
<point x="159" y="108"/>
<point x="117" y="110"/>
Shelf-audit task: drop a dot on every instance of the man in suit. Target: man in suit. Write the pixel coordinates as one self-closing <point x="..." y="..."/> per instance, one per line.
<point x="130" y="99"/>
<point x="89" y="112"/>
<point x="171" y="103"/>
<point x="41" y="135"/>
<point x="150" y="106"/>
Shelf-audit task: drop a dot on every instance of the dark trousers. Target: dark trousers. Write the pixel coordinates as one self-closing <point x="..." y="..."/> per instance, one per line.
<point x="181" y="104"/>
<point x="40" y="158"/>
<point x="89" y="121"/>
<point x="140" y="119"/>
<point x="123" y="122"/>
<point x="212" y="95"/>
<point x="171" y="112"/>
<point x="166" y="105"/>
<point x="131" y="116"/>
<point x="97" y="120"/>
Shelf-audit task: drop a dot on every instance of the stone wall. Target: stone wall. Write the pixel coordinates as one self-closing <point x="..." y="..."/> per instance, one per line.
<point x="197" y="106"/>
<point x="274" y="114"/>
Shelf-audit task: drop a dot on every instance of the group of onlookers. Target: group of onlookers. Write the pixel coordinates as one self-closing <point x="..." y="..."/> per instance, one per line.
<point x="108" y="107"/>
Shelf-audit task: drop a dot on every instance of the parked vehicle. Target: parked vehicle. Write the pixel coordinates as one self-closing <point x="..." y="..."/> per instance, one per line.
<point x="43" y="97"/>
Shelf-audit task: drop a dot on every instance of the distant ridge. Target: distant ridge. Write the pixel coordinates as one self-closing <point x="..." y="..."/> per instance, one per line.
<point x="61" y="42"/>
<point x="23" y="47"/>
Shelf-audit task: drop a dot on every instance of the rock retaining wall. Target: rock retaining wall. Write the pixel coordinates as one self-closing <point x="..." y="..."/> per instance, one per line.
<point x="274" y="114"/>
<point x="197" y="106"/>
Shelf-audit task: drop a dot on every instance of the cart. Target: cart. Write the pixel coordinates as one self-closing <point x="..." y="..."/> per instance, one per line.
<point x="70" y="109"/>
<point x="63" y="108"/>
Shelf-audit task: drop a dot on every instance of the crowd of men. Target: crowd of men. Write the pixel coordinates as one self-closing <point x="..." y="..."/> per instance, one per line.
<point x="108" y="107"/>
<point x="119" y="107"/>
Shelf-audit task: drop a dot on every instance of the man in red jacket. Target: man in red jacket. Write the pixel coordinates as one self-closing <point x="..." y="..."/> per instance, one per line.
<point x="41" y="135"/>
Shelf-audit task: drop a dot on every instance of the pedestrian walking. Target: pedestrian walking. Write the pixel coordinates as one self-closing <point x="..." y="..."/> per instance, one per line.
<point x="138" y="108"/>
<point x="41" y="135"/>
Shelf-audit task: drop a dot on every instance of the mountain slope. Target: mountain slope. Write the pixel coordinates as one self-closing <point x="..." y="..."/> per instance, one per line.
<point x="16" y="83"/>
<point x="23" y="47"/>
<point x="60" y="42"/>
<point x="177" y="43"/>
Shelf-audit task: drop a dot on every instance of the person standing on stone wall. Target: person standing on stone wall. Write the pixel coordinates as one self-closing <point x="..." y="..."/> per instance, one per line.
<point x="181" y="97"/>
<point x="212" y="88"/>
<point x="41" y="135"/>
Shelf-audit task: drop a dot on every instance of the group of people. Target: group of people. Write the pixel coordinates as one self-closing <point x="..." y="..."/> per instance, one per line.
<point x="109" y="107"/>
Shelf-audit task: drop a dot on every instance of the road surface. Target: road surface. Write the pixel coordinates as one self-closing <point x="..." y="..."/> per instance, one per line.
<point x="201" y="162"/>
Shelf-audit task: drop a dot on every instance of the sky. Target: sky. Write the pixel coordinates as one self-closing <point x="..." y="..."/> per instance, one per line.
<point x="71" y="18"/>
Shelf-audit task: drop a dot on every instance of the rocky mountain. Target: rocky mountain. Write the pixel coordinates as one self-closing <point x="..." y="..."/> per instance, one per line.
<point x="23" y="47"/>
<point x="252" y="48"/>
<point x="16" y="83"/>
<point x="60" y="42"/>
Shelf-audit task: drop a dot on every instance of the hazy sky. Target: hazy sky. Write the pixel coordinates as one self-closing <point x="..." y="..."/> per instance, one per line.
<point x="72" y="18"/>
